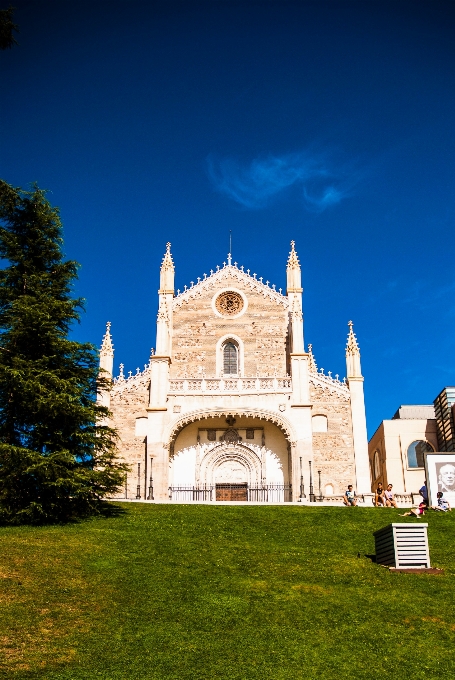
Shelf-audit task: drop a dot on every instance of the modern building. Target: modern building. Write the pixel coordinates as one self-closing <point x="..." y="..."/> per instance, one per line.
<point x="231" y="405"/>
<point x="396" y="450"/>
<point x="444" y="406"/>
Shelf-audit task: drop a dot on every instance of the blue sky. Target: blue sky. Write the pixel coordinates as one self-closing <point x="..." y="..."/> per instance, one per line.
<point x="331" y="123"/>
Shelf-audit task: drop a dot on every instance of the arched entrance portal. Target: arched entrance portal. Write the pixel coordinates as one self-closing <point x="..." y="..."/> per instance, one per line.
<point x="230" y="459"/>
<point x="231" y="469"/>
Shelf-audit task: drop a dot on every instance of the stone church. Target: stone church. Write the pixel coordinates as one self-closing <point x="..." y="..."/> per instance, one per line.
<point x="231" y="406"/>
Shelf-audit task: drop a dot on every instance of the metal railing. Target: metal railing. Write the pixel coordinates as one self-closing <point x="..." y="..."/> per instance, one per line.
<point x="270" y="493"/>
<point x="191" y="493"/>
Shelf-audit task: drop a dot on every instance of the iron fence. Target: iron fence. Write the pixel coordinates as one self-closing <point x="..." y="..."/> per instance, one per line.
<point x="270" y="493"/>
<point x="191" y="493"/>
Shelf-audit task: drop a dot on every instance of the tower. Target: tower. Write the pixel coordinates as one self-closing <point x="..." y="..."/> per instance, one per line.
<point x="106" y="364"/>
<point x="359" y="425"/>
<point x="302" y="451"/>
<point x="299" y="358"/>
<point x="161" y="359"/>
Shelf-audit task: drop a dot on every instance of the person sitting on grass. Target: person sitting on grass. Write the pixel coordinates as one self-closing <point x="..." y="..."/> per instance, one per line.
<point x="350" y="496"/>
<point x="443" y="504"/>
<point x="379" y="499"/>
<point x="416" y="512"/>
<point x="389" y="497"/>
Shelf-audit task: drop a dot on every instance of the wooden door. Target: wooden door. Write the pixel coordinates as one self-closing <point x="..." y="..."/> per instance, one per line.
<point x="232" y="492"/>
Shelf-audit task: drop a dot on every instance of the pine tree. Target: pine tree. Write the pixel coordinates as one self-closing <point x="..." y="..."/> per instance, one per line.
<point x="57" y="455"/>
<point x="7" y="26"/>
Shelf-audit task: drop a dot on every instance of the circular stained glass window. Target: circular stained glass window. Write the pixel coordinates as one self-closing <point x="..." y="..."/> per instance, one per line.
<point x="229" y="303"/>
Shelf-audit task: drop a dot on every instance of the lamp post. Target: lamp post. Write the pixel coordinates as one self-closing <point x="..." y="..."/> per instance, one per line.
<point x="320" y="487"/>
<point x="312" y="496"/>
<point x="138" y="488"/>
<point x="150" y="496"/>
<point x="302" y="490"/>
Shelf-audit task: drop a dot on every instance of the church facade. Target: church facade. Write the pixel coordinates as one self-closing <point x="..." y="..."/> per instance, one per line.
<point x="231" y="406"/>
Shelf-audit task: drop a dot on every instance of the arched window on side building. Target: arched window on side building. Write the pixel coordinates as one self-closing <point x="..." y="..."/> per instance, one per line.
<point x="376" y="465"/>
<point x="416" y="451"/>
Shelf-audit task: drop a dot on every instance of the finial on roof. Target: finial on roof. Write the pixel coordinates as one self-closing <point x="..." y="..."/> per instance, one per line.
<point x="353" y="354"/>
<point x="294" y="276"/>
<point x="352" y="346"/>
<point x="167" y="259"/>
<point x="293" y="260"/>
<point x="312" y="366"/>
<point x="167" y="272"/>
<point x="107" y="346"/>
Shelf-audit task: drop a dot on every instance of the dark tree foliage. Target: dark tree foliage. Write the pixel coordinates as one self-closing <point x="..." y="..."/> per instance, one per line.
<point x="57" y="458"/>
<point x="7" y="26"/>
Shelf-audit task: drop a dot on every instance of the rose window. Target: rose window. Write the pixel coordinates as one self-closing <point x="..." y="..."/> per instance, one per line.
<point x="229" y="303"/>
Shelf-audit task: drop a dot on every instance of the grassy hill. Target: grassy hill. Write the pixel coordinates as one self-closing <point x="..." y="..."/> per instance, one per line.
<point x="232" y="592"/>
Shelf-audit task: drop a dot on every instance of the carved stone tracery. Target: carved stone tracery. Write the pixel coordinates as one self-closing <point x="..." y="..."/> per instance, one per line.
<point x="229" y="303"/>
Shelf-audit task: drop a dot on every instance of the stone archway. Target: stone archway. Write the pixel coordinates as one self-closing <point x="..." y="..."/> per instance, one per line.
<point x="250" y="452"/>
<point x="277" y="419"/>
<point x="230" y="464"/>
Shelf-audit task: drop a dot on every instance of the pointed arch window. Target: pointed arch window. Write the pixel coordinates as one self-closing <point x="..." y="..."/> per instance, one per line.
<point x="230" y="359"/>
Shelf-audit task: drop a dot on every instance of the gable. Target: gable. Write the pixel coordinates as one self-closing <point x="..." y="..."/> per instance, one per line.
<point x="229" y="303"/>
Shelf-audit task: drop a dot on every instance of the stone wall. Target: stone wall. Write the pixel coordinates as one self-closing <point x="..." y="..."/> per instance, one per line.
<point x="333" y="451"/>
<point x="263" y="329"/>
<point x="128" y="402"/>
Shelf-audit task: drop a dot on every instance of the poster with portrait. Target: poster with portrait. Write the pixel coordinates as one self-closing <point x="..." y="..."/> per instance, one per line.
<point x="440" y="469"/>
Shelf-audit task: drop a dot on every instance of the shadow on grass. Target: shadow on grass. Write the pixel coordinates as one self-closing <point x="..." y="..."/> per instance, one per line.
<point x="104" y="509"/>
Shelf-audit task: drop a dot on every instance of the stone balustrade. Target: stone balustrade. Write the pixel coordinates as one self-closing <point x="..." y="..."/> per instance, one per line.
<point x="230" y="386"/>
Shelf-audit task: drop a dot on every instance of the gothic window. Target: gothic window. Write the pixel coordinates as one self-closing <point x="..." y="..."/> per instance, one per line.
<point x="230" y="359"/>
<point x="416" y="452"/>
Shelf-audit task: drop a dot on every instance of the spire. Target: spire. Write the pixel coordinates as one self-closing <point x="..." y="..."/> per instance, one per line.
<point x="107" y="351"/>
<point x="167" y="272"/>
<point x="229" y="257"/>
<point x="352" y="347"/>
<point x="107" y="347"/>
<point x="352" y="354"/>
<point x="294" y="275"/>
<point x="312" y="366"/>
<point x="293" y="260"/>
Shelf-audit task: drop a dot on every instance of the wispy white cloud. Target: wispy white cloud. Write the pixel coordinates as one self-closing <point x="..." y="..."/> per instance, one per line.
<point x="256" y="184"/>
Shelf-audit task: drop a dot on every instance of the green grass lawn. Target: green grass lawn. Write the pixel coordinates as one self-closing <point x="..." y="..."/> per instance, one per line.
<point x="244" y="592"/>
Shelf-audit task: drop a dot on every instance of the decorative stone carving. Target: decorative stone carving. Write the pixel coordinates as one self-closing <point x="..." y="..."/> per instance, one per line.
<point x="229" y="303"/>
<point x="231" y="436"/>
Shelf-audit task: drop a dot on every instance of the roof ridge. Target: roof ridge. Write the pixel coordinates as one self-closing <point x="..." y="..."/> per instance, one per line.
<point x="238" y="272"/>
